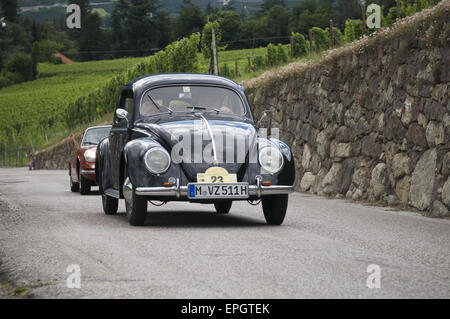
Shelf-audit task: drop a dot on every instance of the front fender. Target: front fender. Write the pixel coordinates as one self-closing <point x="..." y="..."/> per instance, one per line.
<point x="103" y="165"/>
<point x="286" y="176"/>
<point x="134" y="152"/>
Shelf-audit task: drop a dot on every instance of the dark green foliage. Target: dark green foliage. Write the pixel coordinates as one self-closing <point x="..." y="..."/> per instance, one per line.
<point x="190" y="20"/>
<point x="353" y="30"/>
<point x="259" y="62"/>
<point x="282" y="56"/>
<point x="272" y="55"/>
<point x="300" y="45"/>
<point x="19" y="67"/>
<point x="321" y="39"/>
<point x="44" y="50"/>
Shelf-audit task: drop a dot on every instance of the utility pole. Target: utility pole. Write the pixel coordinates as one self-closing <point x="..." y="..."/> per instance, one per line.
<point x="399" y="15"/>
<point x="292" y="46"/>
<point x="363" y="12"/>
<point x="331" y="34"/>
<point x="214" y="49"/>
<point x="311" y="47"/>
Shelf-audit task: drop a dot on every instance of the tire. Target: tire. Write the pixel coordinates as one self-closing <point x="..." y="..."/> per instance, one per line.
<point x="110" y="204"/>
<point x="223" y="207"/>
<point x="274" y="208"/>
<point x="74" y="187"/>
<point x="85" y="186"/>
<point x="137" y="208"/>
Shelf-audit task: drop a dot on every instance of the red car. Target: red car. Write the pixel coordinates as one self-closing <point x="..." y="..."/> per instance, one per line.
<point x="82" y="164"/>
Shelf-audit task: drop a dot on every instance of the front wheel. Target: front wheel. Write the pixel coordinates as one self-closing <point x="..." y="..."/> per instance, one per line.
<point x="136" y="207"/>
<point x="274" y="208"/>
<point x="73" y="186"/>
<point x="85" y="186"/>
<point x="110" y="204"/>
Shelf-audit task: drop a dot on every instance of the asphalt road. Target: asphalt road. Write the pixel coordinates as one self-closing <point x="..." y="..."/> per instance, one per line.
<point x="187" y="251"/>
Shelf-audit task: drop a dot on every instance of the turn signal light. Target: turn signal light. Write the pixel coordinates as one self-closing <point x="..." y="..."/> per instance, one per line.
<point x="267" y="183"/>
<point x="168" y="184"/>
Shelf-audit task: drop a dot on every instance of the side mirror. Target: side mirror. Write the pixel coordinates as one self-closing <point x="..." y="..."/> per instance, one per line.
<point x="122" y="114"/>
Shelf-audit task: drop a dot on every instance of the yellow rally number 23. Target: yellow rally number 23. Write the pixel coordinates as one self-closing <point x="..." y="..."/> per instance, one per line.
<point x="216" y="175"/>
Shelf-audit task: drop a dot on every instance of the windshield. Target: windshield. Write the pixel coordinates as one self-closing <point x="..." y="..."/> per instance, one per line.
<point x="93" y="136"/>
<point x="184" y="98"/>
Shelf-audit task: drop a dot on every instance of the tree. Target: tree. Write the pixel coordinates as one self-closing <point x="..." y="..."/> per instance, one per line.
<point x="190" y="20"/>
<point x="230" y="27"/>
<point x="277" y="22"/>
<point x="20" y="64"/>
<point x="10" y="10"/>
<point x="266" y="5"/>
<point x="140" y="25"/>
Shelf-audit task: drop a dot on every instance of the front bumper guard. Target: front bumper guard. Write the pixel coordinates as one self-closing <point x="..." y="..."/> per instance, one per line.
<point x="178" y="191"/>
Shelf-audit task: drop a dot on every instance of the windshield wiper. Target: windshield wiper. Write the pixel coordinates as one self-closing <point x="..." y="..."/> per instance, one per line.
<point x="197" y="107"/>
<point x="157" y="105"/>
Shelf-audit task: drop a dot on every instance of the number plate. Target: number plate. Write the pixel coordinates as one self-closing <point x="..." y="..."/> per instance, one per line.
<point x="218" y="190"/>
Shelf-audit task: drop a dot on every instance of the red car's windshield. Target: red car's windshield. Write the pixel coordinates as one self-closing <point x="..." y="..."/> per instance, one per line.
<point x="94" y="135"/>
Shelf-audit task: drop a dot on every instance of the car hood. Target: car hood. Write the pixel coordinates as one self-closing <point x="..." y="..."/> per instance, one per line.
<point x="188" y="139"/>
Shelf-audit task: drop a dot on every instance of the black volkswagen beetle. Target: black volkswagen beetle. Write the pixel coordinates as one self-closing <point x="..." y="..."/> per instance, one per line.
<point x="190" y="137"/>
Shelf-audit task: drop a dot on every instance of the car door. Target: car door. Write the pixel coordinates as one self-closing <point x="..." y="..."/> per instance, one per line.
<point x="120" y="135"/>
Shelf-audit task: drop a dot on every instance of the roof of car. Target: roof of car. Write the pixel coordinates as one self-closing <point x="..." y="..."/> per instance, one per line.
<point x="100" y="126"/>
<point x="182" y="78"/>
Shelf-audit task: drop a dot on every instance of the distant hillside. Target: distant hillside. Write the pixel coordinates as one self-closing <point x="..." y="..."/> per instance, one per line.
<point x="49" y="10"/>
<point x="42" y="10"/>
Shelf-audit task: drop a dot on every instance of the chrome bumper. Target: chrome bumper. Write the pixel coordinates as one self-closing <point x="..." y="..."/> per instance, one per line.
<point x="178" y="191"/>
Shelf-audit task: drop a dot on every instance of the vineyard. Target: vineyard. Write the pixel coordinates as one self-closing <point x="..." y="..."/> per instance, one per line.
<point x="33" y="112"/>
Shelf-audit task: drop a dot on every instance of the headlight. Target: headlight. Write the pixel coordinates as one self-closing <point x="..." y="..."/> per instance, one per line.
<point x="157" y="160"/>
<point x="270" y="159"/>
<point x="89" y="155"/>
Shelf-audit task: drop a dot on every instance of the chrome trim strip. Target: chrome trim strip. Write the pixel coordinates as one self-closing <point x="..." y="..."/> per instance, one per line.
<point x="213" y="142"/>
<point x="253" y="190"/>
<point x="83" y="171"/>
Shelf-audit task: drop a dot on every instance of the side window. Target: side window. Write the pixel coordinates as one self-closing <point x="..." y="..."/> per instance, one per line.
<point x="126" y="102"/>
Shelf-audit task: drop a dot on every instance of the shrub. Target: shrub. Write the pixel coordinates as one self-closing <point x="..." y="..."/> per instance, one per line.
<point x="353" y="30"/>
<point x="321" y="39"/>
<point x="259" y="62"/>
<point x="44" y="50"/>
<point x="282" y="56"/>
<point x="4" y="81"/>
<point x="272" y="55"/>
<point x="300" y="45"/>
<point x="21" y="64"/>
<point x="226" y="71"/>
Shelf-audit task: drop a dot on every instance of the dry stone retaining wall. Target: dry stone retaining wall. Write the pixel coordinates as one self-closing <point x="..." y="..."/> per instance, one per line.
<point x="372" y="121"/>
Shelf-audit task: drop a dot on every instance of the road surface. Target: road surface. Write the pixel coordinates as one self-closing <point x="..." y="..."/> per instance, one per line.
<point x="186" y="251"/>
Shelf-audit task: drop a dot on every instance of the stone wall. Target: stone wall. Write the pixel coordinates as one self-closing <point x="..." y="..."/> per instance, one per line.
<point x="59" y="155"/>
<point x="370" y="121"/>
